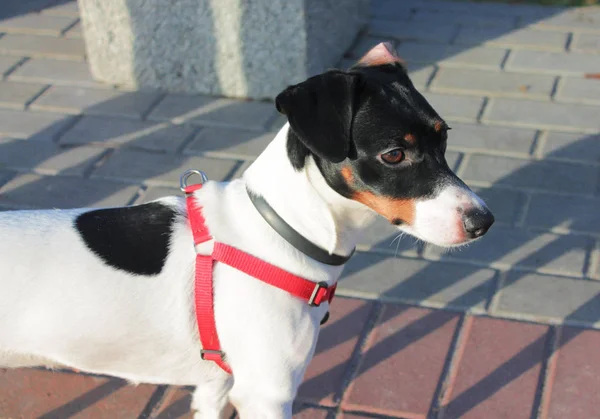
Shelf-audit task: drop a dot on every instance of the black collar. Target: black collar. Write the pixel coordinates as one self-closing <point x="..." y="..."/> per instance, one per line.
<point x="292" y="236"/>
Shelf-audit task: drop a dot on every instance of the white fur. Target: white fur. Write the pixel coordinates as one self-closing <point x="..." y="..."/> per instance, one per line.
<point x="60" y="305"/>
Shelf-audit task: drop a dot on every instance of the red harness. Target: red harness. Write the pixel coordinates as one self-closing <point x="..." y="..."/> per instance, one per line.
<point x="313" y="293"/>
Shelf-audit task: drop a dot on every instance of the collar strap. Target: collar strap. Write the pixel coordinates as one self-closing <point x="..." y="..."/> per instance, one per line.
<point x="292" y="236"/>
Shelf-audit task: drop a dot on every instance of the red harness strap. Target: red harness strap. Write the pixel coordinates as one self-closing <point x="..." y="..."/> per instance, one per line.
<point x="313" y="293"/>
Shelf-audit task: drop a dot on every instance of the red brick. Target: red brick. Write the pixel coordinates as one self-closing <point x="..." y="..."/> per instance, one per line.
<point x="29" y="393"/>
<point x="337" y="340"/>
<point x="575" y="381"/>
<point x="498" y="370"/>
<point x="177" y="405"/>
<point x="401" y="369"/>
<point x="307" y="412"/>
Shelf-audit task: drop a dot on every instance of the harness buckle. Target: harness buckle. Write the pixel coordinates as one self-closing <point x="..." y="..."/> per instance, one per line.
<point x="211" y="355"/>
<point x="186" y="175"/>
<point x="316" y="298"/>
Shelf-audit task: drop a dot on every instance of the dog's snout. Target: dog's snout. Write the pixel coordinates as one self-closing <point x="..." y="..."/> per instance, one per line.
<point x="477" y="222"/>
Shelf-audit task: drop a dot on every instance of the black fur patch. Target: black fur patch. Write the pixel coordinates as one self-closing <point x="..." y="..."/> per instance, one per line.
<point x="132" y="239"/>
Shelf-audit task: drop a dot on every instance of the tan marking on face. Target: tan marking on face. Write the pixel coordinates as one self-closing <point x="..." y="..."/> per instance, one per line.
<point x="392" y="209"/>
<point x="410" y="138"/>
<point x="347" y="175"/>
<point x="438" y="126"/>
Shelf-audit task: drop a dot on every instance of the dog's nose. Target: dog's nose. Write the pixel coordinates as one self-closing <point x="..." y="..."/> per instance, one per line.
<point x="477" y="222"/>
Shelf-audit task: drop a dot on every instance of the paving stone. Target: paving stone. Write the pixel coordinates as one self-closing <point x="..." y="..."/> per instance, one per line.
<point x="420" y="77"/>
<point x="75" y="31"/>
<point x="522" y="173"/>
<point x="500" y="369"/>
<point x="384" y="237"/>
<point x="29" y="393"/>
<point x="485" y="9"/>
<point x="520" y="38"/>
<point x="579" y="91"/>
<point x="452" y="55"/>
<point x="36" y="24"/>
<point x="110" y="132"/>
<point x="96" y="101"/>
<point x="505" y="247"/>
<point x="455" y="108"/>
<point x="573" y="63"/>
<point x="412" y="31"/>
<point x="430" y="18"/>
<point x="453" y="159"/>
<point x="586" y="42"/>
<point x="557" y="212"/>
<point x="543" y="114"/>
<point x="7" y="63"/>
<point x="403" y="363"/>
<point x="506" y="205"/>
<point x="324" y="378"/>
<point x="5" y="176"/>
<point x="66" y="8"/>
<point x="391" y="9"/>
<point x="159" y="169"/>
<point x="435" y="284"/>
<point x="229" y="142"/>
<point x="55" y="72"/>
<point x="155" y="192"/>
<point x="578" y="19"/>
<point x="493" y="83"/>
<point x="209" y="111"/>
<point x="576" y="147"/>
<point x="485" y="139"/>
<point x="18" y="7"/>
<point x="309" y="412"/>
<point x="576" y="376"/>
<point x="177" y="405"/>
<point x="550" y="298"/>
<point x="32" y="125"/>
<point x="46" y="157"/>
<point x="42" y="46"/>
<point x="34" y="191"/>
<point x="18" y="95"/>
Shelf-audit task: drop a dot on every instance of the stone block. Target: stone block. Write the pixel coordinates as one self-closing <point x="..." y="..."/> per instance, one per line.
<point x="36" y="24"/>
<point x="586" y="42"/>
<point x="227" y="47"/>
<point x="576" y="64"/>
<point x="452" y="55"/>
<point x="18" y="95"/>
<point x="578" y="90"/>
<point x="489" y="139"/>
<point x="521" y="38"/>
<point x="413" y="31"/>
<point x="8" y="63"/>
<point x="33" y="125"/>
<point x="572" y="147"/>
<point x="566" y="214"/>
<point x="455" y="108"/>
<point x="42" y="46"/>
<point x="229" y="143"/>
<point x="57" y="72"/>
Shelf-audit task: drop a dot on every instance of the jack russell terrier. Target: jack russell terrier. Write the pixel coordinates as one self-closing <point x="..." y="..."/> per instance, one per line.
<point x="147" y="292"/>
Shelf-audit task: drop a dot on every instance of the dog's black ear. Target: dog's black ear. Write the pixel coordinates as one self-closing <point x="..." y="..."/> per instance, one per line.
<point x="320" y="112"/>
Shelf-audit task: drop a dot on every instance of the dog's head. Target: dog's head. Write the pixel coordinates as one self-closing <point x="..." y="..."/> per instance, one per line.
<point x="377" y="141"/>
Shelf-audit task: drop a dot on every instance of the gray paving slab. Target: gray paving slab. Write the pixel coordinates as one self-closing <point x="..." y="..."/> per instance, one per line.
<point x="538" y="114"/>
<point x="453" y="159"/>
<point x="586" y="42"/>
<point x="8" y="63"/>
<point x="395" y="10"/>
<point x="42" y="46"/>
<point x="579" y="214"/>
<point x="160" y="169"/>
<point x="573" y="63"/>
<point x="430" y="18"/>
<point x="229" y="143"/>
<point x="583" y="19"/>
<point x="111" y="132"/>
<point x="69" y="8"/>
<point x="578" y="90"/>
<point x="74" y="31"/>
<point x="506" y="247"/>
<point x="490" y="139"/>
<point x="531" y="174"/>
<point x="520" y="38"/>
<point x="455" y="108"/>
<point x="204" y="110"/>
<point x="33" y="125"/>
<point x="507" y="205"/>
<point x="571" y="147"/>
<point x="385" y="238"/>
<point x="46" y="157"/>
<point x="479" y="82"/>
<point x="539" y="297"/>
<point x="36" y="191"/>
<point x="451" y="55"/>
<point x="435" y="284"/>
<point x="156" y="192"/>
<point x="36" y="24"/>
<point x="56" y="72"/>
<point x="76" y="100"/>
<point x="413" y="31"/>
<point x="18" y="95"/>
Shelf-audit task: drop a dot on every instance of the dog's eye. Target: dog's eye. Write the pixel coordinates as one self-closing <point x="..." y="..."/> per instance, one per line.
<point x="393" y="157"/>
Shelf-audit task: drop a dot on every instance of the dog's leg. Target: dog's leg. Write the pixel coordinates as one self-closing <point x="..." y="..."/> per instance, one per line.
<point x="211" y="398"/>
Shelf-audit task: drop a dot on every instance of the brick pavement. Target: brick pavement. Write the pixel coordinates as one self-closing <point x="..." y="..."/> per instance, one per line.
<point x="503" y="328"/>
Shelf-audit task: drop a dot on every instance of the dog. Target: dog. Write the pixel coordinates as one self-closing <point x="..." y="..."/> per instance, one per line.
<point x="110" y="291"/>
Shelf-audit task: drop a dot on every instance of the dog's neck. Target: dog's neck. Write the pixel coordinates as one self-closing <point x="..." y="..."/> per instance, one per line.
<point x="305" y="200"/>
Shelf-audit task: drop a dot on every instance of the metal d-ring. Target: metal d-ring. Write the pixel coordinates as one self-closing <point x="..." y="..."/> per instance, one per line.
<point x="184" y="177"/>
